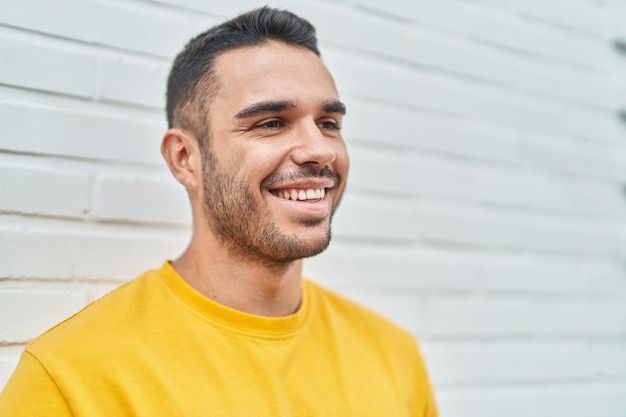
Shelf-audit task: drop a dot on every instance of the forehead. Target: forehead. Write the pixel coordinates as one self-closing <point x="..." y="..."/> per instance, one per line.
<point x="271" y="71"/>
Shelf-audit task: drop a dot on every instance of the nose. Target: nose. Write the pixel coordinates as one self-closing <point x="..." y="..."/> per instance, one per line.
<point x="313" y="146"/>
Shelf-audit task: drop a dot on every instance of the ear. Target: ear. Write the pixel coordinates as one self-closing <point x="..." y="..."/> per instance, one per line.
<point x="182" y="154"/>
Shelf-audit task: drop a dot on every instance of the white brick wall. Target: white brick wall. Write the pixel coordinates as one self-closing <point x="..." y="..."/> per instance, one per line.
<point x="486" y="204"/>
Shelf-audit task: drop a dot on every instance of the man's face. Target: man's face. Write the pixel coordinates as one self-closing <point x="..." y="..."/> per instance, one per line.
<point x="276" y="163"/>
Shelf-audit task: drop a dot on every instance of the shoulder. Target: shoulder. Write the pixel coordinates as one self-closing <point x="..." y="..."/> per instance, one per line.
<point x="105" y="317"/>
<point x="354" y="317"/>
<point x="357" y="329"/>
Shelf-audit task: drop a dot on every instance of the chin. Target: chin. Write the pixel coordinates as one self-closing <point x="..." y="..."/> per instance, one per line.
<point x="306" y="244"/>
<point x="318" y="244"/>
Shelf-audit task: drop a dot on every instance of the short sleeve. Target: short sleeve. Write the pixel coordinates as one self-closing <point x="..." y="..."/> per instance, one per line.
<point x="32" y="392"/>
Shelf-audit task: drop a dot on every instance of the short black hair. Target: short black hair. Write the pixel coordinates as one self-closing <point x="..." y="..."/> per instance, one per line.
<point x="191" y="83"/>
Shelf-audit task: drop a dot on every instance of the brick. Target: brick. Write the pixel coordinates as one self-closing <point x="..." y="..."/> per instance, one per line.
<point x="465" y="316"/>
<point x="95" y="253"/>
<point x="598" y="125"/>
<point x="396" y="10"/>
<point x="133" y="80"/>
<point x="393" y="39"/>
<point x="579" y="400"/>
<point x="541" y="274"/>
<point x="202" y="22"/>
<point x="393" y="267"/>
<point x="400" y="308"/>
<point x="9" y="356"/>
<point x="448" y="225"/>
<point x="37" y="310"/>
<point x="608" y="358"/>
<point x="534" y="37"/>
<point x="47" y="65"/>
<point x="372" y="122"/>
<point x="604" y="277"/>
<point x="490" y="227"/>
<point x="565" y="234"/>
<point x="93" y="134"/>
<point x="401" y="85"/>
<point x="551" y="275"/>
<point x="370" y="218"/>
<point x="619" y="92"/>
<point x="361" y="76"/>
<point x="222" y="9"/>
<point x="574" y="195"/>
<point x="585" y="16"/>
<point x="579" y="317"/>
<point x="393" y="172"/>
<point x="140" y="199"/>
<point x="445" y="52"/>
<point x="495" y="362"/>
<point x="565" y="82"/>
<point x="582" y="400"/>
<point x="503" y="28"/>
<point x="574" y="157"/>
<point x="619" y="156"/>
<point x="48" y="192"/>
<point x="411" y="173"/>
<point x="616" y="17"/>
<point x="163" y="31"/>
<point x="576" y="400"/>
<point x="491" y="401"/>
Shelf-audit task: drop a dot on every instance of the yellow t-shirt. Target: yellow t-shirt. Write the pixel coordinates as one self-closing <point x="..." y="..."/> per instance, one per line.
<point x="157" y="347"/>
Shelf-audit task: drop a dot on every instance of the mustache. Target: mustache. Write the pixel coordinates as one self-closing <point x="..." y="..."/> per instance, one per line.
<point x="303" y="171"/>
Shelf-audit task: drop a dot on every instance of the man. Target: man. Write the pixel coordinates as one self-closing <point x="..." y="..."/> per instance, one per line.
<point x="230" y="328"/>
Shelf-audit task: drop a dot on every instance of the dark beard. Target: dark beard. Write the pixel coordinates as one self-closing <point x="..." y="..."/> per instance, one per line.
<point x="233" y="214"/>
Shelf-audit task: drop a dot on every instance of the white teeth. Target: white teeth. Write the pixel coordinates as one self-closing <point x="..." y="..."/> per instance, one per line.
<point x="302" y="195"/>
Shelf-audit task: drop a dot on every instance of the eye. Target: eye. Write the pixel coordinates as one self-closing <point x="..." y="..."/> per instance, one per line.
<point x="270" y="124"/>
<point x="329" y="125"/>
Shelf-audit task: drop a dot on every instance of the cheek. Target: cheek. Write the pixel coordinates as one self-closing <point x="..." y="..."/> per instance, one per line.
<point x="258" y="162"/>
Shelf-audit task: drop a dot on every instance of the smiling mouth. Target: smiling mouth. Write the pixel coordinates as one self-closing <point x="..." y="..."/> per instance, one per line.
<point x="310" y="194"/>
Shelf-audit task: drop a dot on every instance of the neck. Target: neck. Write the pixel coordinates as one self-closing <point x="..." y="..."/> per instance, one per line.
<point x="259" y="288"/>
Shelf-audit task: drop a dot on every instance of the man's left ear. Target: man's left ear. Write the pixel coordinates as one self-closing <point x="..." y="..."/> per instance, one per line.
<point x="182" y="154"/>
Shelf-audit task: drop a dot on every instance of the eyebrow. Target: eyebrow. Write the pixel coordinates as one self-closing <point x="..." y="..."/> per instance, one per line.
<point x="264" y="107"/>
<point x="282" y="105"/>
<point x="335" y="107"/>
